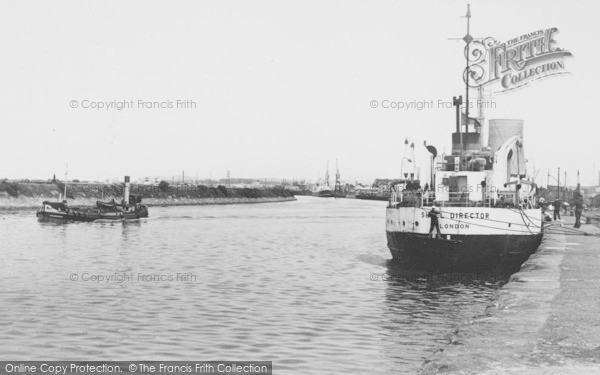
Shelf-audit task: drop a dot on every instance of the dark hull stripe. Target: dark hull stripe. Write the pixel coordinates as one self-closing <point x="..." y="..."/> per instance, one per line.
<point x="462" y="253"/>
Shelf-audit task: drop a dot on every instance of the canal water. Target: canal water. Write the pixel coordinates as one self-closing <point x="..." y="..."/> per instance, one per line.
<point x="307" y="284"/>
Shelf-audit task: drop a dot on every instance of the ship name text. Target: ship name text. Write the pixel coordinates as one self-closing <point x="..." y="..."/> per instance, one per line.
<point x="460" y="215"/>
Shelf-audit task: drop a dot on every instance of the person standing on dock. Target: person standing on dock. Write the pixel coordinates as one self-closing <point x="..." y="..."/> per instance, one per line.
<point x="578" y="209"/>
<point x="556" y="205"/>
<point x="433" y="214"/>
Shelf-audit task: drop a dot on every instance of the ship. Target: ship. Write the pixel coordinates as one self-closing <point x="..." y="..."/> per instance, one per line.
<point x="323" y="189"/>
<point x="481" y="195"/>
<point x="130" y="208"/>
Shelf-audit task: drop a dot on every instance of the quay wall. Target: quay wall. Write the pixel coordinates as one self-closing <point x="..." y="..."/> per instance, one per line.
<point x="543" y="321"/>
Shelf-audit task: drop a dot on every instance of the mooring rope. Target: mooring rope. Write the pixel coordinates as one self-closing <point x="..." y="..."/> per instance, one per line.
<point x="487" y="226"/>
<point x="549" y="228"/>
<point x="496" y="221"/>
<point x="557" y="229"/>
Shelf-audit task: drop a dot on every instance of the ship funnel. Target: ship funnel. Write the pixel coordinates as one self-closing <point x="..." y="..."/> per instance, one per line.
<point x="126" y="191"/>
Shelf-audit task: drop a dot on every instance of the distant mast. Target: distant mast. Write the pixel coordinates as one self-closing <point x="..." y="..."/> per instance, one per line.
<point x="66" y="171"/>
<point x="338" y="183"/>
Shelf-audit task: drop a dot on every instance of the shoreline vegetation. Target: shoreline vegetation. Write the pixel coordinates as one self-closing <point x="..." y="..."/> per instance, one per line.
<point x="25" y="195"/>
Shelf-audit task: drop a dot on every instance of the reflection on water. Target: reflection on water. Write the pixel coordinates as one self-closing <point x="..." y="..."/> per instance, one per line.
<point x="306" y="284"/>
<point x="424" y="310"/>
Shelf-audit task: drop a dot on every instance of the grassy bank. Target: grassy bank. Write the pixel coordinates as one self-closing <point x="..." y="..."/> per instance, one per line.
<point x="15" y="195"/>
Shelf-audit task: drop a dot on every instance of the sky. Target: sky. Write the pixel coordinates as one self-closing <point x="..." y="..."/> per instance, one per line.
<point x="279" y="87"/>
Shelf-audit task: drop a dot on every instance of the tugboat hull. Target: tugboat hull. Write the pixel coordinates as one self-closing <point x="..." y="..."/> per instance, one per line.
<point x="85" y="216"/>
<point x="88" y="216"/>
<point x="57" y="211"/>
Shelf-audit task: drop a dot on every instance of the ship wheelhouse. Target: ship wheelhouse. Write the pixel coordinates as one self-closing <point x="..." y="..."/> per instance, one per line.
<point x="486" y="169"/>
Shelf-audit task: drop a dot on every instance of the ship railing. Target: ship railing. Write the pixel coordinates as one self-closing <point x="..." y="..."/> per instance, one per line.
<point x="419" y="198"/>
<point x="463" y="199"/>
<point x="510" y="198"/>
<point x="529" y="199"/>
<point x="457" y="199"/>
<point x="406" y="198"/>
<point x="411" y="198"/>
<point x="506" y="198"/>
<point x="428" y="198"/>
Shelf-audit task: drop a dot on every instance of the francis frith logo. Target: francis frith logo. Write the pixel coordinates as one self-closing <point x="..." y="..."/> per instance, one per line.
<point x="517" y="62"/>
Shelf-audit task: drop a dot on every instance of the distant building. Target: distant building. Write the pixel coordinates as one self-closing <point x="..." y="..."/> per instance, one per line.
<point x="382" y="185"/>
<point x="594" y="201"/>
<point x="348" y="189"/>
<point x="360" y="189"/>
<point x="590" y="191"/>
<point x="551" y="192"/>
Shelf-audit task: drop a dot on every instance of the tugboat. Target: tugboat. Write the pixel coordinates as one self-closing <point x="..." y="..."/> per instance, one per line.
<point x="478" y="211"/>
<point x="130" y="208"/>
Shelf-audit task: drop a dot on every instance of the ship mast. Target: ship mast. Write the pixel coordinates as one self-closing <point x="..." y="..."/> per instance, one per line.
<point x="457" y="101"/>
<point x="468" y="38"/>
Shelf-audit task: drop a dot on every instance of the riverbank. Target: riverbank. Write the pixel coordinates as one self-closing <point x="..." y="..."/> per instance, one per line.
<point x="27" y="195"/>
<point x="543" y="321"/>
<point x="35" y="203"/>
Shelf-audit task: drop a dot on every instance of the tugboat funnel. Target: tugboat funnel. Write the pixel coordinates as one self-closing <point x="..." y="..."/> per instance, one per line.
<point x="126" y="191"/>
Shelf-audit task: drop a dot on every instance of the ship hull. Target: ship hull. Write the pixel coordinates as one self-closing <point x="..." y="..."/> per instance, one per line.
<point x="472" y="253"/>
<point x="471" y="239"/>
<point x="324" y="193"/>
<point x="373" y="197"/>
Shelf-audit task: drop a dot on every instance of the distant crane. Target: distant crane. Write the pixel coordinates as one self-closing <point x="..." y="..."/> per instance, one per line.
<point x="66" y="173"/>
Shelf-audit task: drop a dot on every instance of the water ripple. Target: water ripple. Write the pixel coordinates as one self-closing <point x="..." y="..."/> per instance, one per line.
<point x="287" y="282"/>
